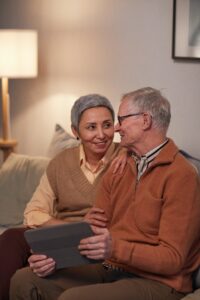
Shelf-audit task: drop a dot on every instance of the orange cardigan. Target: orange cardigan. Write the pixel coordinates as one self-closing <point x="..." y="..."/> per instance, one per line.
<point x="155" y="223"/>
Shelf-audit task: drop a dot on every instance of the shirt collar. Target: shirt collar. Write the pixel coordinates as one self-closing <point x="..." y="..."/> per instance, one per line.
<point x="149" y="156"/>
<point x="105" y="159"/>
<point x="154" y="152"/>
<point x="144" y="161"/>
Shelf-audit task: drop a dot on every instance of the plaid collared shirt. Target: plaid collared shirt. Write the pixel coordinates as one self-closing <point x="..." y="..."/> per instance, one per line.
<point x="144" y="161"/>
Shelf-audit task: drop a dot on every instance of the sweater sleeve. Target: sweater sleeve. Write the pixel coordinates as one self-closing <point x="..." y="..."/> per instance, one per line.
<point x="40" y="209"/>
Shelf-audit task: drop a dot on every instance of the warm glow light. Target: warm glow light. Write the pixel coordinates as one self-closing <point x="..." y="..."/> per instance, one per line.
<point x="18" y="53"/>
<point x="18" y="59"/>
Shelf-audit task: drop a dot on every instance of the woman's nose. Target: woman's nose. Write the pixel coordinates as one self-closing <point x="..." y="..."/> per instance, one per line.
<point x="100" y="133"/>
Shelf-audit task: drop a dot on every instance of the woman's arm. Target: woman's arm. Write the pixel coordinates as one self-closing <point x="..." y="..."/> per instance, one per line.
<point x="41" y="208"/>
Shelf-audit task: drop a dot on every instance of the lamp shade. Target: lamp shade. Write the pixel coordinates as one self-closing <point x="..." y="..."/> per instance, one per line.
<point x="18" y="53"/>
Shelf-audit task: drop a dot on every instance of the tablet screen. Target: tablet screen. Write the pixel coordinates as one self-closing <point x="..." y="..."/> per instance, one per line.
<point x="60" y="242"/>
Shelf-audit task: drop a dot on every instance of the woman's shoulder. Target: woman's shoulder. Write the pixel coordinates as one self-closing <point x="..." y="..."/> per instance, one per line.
<point x="66" y="155"/>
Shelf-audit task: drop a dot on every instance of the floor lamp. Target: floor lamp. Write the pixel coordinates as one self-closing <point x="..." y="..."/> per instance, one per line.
<point x="18" y="59"/>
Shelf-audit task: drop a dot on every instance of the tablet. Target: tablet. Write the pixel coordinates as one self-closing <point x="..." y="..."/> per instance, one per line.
<point x="60" y="242"/>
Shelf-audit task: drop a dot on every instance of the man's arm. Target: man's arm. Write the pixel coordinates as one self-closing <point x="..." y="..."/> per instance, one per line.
<point x="164" y="252"/>
<point x="178" y="232"/>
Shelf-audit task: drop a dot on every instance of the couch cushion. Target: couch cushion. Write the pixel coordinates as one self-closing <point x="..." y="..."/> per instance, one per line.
<point x="192" y="296"/>
<point x="19" y="177"/>
<point x="193" y="160"/>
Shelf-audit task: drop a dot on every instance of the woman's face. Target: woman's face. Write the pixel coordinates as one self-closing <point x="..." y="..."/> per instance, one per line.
<point x="96" y="130"/>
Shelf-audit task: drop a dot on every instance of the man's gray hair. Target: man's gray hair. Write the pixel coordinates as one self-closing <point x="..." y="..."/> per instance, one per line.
<point x="151" y="100"/>
<point x="86" y="102"/>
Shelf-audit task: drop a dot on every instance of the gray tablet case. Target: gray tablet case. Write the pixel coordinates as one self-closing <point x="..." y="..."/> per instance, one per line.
<point x="60" y="242"/>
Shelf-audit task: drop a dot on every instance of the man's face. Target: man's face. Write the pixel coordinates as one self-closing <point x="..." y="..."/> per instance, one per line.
<point x="130" y="128"/>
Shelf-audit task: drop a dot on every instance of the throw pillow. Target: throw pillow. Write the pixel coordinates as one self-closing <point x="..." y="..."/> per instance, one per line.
<point x="19" y="177"/>
<point x="60" y="141"/>
<point x="193" y="160"/>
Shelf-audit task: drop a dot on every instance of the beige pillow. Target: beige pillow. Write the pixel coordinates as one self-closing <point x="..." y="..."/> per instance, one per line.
<point x="60" y="141"/>
<point x="19" y="177"/>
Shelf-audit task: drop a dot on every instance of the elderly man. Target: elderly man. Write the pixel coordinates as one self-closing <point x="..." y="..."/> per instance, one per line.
<point x="151" y="242"/>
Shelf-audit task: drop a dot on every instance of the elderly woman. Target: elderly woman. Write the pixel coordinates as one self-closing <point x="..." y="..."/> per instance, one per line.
<point x="67" y="189"/>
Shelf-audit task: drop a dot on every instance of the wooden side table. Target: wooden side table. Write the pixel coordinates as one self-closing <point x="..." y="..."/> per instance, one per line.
<point x="7" y="146"/>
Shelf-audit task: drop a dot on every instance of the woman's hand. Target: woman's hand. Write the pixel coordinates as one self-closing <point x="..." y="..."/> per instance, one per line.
<point x="96" y="216"/>
<point x="97" y="247"/>
<point x="41" y="265"/>
<point x="119" y="162"/>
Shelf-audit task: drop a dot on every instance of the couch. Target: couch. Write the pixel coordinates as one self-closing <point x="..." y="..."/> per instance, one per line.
<point x="20" y="174"/>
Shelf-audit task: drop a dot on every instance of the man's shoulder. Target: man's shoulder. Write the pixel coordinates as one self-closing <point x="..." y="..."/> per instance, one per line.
<point x="185" y="165"/>
<point x="129" y="170"/>
<point x="195" y="162"/>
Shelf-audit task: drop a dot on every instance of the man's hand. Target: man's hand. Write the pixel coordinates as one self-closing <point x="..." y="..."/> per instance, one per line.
<point x="97" y="247"/>
<point x="96" y="216"/>
<point x="41" y="265"/>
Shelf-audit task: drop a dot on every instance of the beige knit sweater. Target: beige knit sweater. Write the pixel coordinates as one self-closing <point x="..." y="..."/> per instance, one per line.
<point x="74" y="193"/>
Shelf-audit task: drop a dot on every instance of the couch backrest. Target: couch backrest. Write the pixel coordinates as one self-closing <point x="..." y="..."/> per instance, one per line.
<point x="195" y="161"/>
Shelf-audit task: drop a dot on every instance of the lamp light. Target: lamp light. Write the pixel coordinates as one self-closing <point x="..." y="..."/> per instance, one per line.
<point x="18" y="59"/>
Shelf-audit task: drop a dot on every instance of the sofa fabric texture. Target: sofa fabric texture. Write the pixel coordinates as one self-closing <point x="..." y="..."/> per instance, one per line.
<point x="20" y="175"/>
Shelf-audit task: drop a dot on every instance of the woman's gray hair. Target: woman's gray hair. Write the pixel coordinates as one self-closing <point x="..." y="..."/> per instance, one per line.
<point x="86" y="102"/>
<point x="151" y="100"/>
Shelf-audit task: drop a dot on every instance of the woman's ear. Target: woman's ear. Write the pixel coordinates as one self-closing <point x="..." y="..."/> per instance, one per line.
<point x="75" y="132"/>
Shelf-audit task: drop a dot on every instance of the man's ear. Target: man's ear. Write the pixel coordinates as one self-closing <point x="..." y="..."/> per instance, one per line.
<point x="75" y="132"/>
<point x="147" y="121"/>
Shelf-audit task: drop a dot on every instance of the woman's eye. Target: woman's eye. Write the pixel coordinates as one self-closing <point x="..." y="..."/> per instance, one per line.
<point x="91" y="127"/>
<point x="107" y="125"/>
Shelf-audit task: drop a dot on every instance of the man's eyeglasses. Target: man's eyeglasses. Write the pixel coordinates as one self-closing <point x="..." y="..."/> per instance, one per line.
<point x="121" y="118"/>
